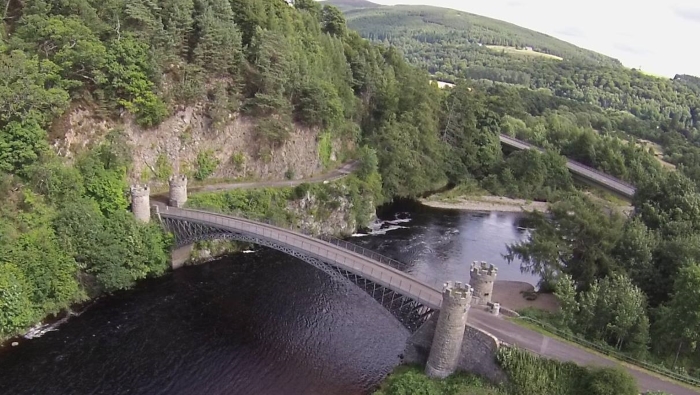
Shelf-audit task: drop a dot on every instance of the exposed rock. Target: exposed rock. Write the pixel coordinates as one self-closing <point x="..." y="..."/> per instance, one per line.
<point x="182" y="136"/>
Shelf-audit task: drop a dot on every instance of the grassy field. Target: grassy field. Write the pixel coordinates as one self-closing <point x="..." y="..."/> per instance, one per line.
<point x="650" y="74"/>
<point x="443" y="84"/>
<point x="658" y="150"/>
<point x="523" y="52"/>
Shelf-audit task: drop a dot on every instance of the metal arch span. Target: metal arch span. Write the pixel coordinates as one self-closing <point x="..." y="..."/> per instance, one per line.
<point x="408" y="299"/>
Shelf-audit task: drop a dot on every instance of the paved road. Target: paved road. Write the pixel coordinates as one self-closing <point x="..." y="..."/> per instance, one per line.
<point x="538" y="343"/>
<point x="607" y="181"/>
<point x="331" y="176"/>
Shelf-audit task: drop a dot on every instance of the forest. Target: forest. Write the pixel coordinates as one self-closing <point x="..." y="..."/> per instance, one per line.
<point x="66" y="235"/>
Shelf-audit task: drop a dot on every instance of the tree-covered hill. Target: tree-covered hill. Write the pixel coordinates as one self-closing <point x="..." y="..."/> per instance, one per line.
<point x="446" y="43"/>
<point x="415" y="28"/>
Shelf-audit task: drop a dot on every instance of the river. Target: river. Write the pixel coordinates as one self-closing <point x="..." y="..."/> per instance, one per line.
<point x="255" y="323"/>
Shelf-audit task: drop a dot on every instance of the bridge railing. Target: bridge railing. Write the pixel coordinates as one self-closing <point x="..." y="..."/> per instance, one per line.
<point x="364" y="251"/>
<point x="588" y="168"/>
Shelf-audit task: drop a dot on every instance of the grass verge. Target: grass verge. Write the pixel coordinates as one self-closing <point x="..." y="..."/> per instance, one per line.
<point x="539" y="329"/>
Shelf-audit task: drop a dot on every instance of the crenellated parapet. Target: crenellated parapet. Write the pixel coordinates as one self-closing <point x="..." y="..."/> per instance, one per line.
<point x="141" y="202"/>
<point x="449" y="332"/>
<point x="482" y="277"/>
<point x="456" y="293"/>
<point x="178" y="190"/>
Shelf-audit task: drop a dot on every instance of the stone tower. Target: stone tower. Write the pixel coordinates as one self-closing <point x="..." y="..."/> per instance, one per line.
<point x="482" y="277"/>
<point x="141" y="202"/>
<point x="178" y="190"/>
<point x="449" y="332"/>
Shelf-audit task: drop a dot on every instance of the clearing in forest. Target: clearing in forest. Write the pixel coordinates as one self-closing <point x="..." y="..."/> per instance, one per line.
<point x="524" y="52"/>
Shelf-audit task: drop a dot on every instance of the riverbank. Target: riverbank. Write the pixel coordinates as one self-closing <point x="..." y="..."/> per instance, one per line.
<point x="486" y="203"/>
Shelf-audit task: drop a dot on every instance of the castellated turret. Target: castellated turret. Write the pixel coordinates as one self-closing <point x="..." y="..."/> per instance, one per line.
<point x="141" y="202"/>
<point x="178" y="191"/>
<point x="449" y="332"/>
<point x="482" y="278"/>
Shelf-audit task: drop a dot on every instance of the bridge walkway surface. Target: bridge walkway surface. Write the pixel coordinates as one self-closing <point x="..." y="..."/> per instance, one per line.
<point x="425" y="291"/>
<point x="607" y="181"/>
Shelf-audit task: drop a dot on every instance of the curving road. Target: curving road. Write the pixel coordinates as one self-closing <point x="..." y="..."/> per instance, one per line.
<point x="427" y="292"/>
<point x="604" y="180"/>
<point x="538" y="343"/>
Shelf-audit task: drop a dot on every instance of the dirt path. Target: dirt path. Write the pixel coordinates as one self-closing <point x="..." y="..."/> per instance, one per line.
<point x="333" y="175"/>
<point x="336" y="174"/>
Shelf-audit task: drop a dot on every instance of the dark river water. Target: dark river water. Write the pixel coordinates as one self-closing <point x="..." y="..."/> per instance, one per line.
<point x="254" y="323"/>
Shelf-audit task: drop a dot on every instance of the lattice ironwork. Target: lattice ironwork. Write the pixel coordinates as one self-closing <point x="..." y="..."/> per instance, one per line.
<point x="411" y="313"/>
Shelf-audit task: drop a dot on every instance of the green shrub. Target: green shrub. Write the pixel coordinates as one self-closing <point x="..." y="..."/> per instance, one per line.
<point x="265" y="203"/>
<point x="238" y="161"/>
<point x="273" y="131"/>
<point x="412" y="381"/>
<point x="301" y="190"/>
<point x="530" y="374"/>
<point x="206" y="165"/>
<point x="611" y="381"/>
<point x="289" y="174"/>
<point x="325" y="149"/>
<point x="163" y="168"/>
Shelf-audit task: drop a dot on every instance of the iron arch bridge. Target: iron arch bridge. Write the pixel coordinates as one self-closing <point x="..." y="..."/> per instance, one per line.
<point x="411" y="301"/>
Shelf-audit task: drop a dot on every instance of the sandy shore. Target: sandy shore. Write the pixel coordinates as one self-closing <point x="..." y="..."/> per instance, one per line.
<point x="510" y="294"/>
<point x="487" y="203"/>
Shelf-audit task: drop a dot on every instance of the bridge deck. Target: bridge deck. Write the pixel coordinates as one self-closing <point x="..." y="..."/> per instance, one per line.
<point x="370" y="269"/>
<point x="582" y="170"/>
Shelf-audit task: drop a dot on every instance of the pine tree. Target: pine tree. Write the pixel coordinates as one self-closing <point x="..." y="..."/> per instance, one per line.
<point x="178" y="24"/>
<point x="218" y="47"/>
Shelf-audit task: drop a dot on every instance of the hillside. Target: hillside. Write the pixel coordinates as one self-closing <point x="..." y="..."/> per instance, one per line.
<point x="346" y="5"/>
<point x="415" y="28"/>
<point x="452" y="44"/>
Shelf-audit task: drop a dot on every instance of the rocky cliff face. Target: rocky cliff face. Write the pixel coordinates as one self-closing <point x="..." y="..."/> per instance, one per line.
<point x="339" y="218"/>
<point x="175" y="144"/>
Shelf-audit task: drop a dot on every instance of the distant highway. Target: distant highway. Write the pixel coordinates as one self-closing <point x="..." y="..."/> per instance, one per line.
<point x="598" y="178"/>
